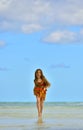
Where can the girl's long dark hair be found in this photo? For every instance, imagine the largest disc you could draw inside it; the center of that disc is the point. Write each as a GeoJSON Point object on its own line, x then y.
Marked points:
{"type": "Point", "coordinates": [42, 77]}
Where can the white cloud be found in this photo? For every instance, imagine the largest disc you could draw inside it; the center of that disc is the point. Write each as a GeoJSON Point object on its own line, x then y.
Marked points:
{"type": "Point", "coordinates": [2, 43]}
{"type": "Point", "coordinates": [61, 37]}
{"type": "Point", "coordinates": [5, 25]}
{"type": "Point", "coordinates": [30, 28]}
{"type": "Point", "coordinates": [18, 13]}
{"type": "Point", "coordinates": [4, 4]}
{"type": "Point", "coordinates": [25, 15]}
{"type": "Point", "coordinates": [30, 16]}
{"type": "Point", "coordinates": [81, 32]}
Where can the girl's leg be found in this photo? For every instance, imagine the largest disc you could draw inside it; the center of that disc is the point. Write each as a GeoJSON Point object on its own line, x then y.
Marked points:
{"type": "Point", "coordinates": [41, 105]}
{"type": "Point", "coordinates": [38, 106]}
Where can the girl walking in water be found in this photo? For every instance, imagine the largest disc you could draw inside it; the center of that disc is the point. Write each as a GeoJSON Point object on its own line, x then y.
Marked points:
{"type": "Point", "coordinates": [41, 85]}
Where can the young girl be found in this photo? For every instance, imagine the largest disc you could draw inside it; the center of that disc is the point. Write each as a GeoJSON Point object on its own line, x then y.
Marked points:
{"type": "Point", "coordinates": [41, 85]}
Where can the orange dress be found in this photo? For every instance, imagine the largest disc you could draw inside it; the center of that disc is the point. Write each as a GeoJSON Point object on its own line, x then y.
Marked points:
{"type": "Point", "coordinates": [39, 89]}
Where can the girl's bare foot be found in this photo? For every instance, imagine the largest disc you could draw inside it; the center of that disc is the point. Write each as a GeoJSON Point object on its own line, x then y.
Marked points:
{"type": "Point", "coordinates": [40, 120]}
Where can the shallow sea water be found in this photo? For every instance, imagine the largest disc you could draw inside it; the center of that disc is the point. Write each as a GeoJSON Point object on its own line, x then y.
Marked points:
{"type": "Point", "coordinates": [56, 116]}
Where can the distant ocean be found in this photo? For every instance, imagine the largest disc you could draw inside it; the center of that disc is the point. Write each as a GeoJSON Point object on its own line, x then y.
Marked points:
{"type": "Point", "coordinates": [56, 116]}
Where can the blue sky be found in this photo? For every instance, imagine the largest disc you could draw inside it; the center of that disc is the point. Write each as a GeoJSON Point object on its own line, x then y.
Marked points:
{"type": "Point", "coordinates": [42, 34]}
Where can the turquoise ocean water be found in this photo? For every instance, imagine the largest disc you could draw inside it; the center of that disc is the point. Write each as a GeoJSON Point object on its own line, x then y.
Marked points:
{"type": "Point", "coordinates": [56, 116]}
